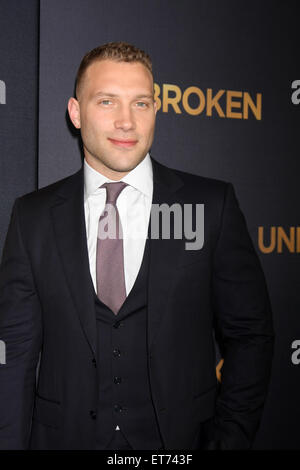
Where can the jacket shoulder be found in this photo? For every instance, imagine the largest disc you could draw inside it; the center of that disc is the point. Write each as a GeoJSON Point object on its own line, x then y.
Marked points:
{"type": "Point", "coordinates": [190, 182]}
{"type": "Point", "coordinates": [48, 194]}
{"type": "Point", "coordinates": [203, 181]}
{"type": "Point", "coordinates": [197, 187]}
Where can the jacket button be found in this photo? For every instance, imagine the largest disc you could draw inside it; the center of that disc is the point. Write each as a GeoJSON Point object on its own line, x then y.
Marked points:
{"type": "Point", "coordinates": [93, 414]}
{"type": "Point", "coordinates": [118, 324]}
{"type": "Point", "coordinates": [117, 352]}
{"type": "Point", "coordinates": [117, 380]}
{"type": "Point", "coordinates": [94, 362]}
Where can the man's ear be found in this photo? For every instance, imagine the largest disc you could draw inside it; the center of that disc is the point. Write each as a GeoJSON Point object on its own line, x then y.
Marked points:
{"type": "Point", "coordinates": [74, 112]}
{"type": "Point", "coordinates": [155, 107]}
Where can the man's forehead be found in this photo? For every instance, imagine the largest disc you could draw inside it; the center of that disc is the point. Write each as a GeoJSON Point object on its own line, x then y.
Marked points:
{"type": "Point", "coordinates": [110, 66]}
{"type": "Point", "coordinates": [111, 76]}
{"type": "Point", "coordinates": [110, 79]}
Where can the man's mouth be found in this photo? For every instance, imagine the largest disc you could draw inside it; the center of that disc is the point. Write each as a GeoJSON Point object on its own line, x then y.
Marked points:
{"type": "Point", "coordinates": [123, 142]}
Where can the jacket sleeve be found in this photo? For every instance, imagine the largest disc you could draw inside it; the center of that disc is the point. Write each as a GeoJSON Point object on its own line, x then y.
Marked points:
{"type": "Point", "coordinates": [21, 333]}
{"type": "Point", "coordinates": [243, 323]}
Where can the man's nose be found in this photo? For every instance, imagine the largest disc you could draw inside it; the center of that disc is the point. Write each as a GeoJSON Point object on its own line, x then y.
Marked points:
{"type": "Point", "coordinates": [125, 119]}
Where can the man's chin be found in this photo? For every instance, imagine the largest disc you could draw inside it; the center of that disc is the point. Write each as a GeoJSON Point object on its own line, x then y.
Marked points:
{"type": "Point", "coordinates": [115, 163]}
{"type": "Point", "coordinates": [125, 166]}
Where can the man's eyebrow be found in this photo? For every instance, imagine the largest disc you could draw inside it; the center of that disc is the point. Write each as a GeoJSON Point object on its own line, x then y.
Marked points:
{"type": "Point", "coordinates": [114, 95]}
{"type": "Point", "coordinates": [102, 93]}
{"type": "Point", "coordinates": [144, 96]}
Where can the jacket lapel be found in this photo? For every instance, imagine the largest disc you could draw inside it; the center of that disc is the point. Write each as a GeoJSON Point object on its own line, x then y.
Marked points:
{"type": "Point", "coordinates": [69, 227]}
{"type": "Point", "coordinates": [164, 253]}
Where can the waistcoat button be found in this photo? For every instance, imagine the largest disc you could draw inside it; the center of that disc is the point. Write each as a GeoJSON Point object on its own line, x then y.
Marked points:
{"type": "Point", "coordinates": [118, 408]}
{"type": "Point", "coordinates": [117, 352]}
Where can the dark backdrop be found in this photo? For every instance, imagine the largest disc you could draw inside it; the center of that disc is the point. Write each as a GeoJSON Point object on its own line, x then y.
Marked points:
{"type": "Point", "coordinates": [19, 42]}
{"type": "Point", "coordinates": [248, 48]}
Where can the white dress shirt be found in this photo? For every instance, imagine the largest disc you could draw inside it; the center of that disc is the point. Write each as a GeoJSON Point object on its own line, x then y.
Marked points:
{"type": "Point", "coordinates": [134, 206]}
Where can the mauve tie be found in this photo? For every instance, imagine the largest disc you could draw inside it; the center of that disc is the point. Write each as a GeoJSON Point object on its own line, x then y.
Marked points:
{"type": "Point", "coordinates": [109, 260]}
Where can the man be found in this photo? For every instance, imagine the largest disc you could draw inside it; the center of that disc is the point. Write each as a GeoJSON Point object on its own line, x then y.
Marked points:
{"type": "Point", "coordinates": [125, 325]}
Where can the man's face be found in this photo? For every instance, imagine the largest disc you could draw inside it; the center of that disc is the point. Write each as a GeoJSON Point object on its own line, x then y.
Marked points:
{"type": "Point", "coordinates": [116, 112]}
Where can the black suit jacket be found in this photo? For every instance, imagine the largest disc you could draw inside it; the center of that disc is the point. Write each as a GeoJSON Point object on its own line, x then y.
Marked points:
{"type": "Point", "coordinates": [47, 307]}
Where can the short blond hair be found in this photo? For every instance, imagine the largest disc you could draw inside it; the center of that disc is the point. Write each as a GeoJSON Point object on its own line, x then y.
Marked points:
{"type": "Point", "coordinates": [118, 51]}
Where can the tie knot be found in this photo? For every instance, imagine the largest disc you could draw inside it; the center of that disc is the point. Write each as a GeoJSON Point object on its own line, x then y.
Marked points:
{"type": "Point", "coordinates": [113, 190]}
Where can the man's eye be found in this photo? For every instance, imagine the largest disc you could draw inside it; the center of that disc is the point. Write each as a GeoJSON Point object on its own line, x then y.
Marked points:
{"type": "Point", "coordinates": [141, 104]}
{"type": "Point", "coordinates": [105, 102]}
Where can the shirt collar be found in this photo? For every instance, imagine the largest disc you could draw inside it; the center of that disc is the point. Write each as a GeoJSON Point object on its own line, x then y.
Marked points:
{"type": "Point", "coordinates": [141, 178]}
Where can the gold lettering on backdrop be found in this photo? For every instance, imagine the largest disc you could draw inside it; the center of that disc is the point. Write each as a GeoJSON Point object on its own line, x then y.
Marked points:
{"type": "Point", "coordinates": [172, 100]}
{"type": "Point", "coordinates": [248, 102]}
{"type": "Point", "coordinates": [289, 241]}
{"type": "Point", "coordinates": [218, 370]}
{"type": "Point", "coordinates": [233, 104]}
{"type": "Point", "coordinates": [185, 100]}
{"type": "Point", "coordinates": [280, 238]}
{"type": "Point", "coordinates": [261, 244]}
{"type": "Point", "coordinates": [213, 102]}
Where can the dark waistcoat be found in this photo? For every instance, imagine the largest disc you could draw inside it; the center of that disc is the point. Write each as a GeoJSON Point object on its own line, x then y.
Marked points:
{"type": "Point", "coordinates": [124, 388]}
